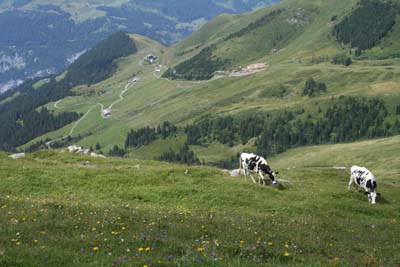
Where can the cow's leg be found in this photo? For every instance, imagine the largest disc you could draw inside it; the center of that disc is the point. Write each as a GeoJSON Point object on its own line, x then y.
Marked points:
{"type": "Point", "coordinates": [261, 178]}
{"type": "Point", "coordinates": [350, 182]}
{"type": "Point", "coordinates": [254, 181]}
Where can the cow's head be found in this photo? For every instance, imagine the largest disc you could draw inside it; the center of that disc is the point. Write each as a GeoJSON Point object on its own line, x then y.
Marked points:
{"type": "Point", "coordinates": [371, 191]}
{"type": "Point", "coordinates": [372, 196]}
{"type": "Point", "coordinates": [272, 175]}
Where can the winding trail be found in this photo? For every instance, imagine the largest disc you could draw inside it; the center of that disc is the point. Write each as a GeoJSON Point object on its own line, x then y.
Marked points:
{"type": "Point", "coordinates": [121, 98]}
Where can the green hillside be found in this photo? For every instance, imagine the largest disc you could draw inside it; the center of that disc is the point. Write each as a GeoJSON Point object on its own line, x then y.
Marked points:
{"type": "Point", "coordinates": [60, 209]}
{"type": "Point", "coordinates": [296, 39]}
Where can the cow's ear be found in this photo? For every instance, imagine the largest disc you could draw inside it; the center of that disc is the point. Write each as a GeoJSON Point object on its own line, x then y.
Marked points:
{"type": "Point", "coordinates": [277, 172]}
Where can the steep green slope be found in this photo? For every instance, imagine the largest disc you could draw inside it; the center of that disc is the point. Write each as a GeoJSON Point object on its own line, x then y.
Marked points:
{"type": "Point", "coordinates": [290, 29]}
{"type": "Point", "coordinates": [68, 210]}
{"type": "Point", "coordinates": [22, 117]}
{"type": "Point", "coordinates": [306, 53]}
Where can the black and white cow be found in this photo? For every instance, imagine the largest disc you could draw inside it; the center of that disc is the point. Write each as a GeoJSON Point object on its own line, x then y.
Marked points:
{"type": "Point", "coordinates": [363, 178]}
{"type": "Point", "coordinates": [253, 163]}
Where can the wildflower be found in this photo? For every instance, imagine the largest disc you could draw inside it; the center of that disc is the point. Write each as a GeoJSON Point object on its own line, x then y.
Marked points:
{"type": "Point", "coordinates": [4, 206]}
{"type": "Point", "coordinates": [145, 265]}
{"type": "Point", "coordinates": [43, 247]}
{"type": "Point", "coordinates": [18, 243]}
{"type": "Point", "coordinates": [241, 243]}
{"type": "Point", "coordinates": [269, 243]}
{"type": "Point", "coordinates": [95, 248]}
{"type": "Point", "coordinates": [286, 246]}
{"type": "Point", "coordinates": [35, 241]}
{"type": "Point", "coordinates": [169, 257]}
{"type": "Point", "coordinates": [123, 228]}
{"type": "Point", "coordinates": [200, 250]}
{"type": "Point", "coordinates": [141, 249]}
{"type": "Point", "coordinates": [286, 254]}
{"type": "Point", "coordinates": [94, 229]}
{"type": "Point", "coordinates": [147, 249]}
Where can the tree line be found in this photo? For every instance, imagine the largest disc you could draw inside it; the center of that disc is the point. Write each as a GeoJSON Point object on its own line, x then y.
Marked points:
{"type": "Point", "coordinates": [347, 119]}
{"type": "Point", "coordinates": [146, 135]}
{"type": "Point", "coordinates": [369, 22]}
{"type": "Point", "coordinates": [200, 67]}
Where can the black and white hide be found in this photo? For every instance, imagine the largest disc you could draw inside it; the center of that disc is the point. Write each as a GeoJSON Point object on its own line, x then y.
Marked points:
{"type": "Point", "coordinates": [364, 179]}
{"type": "Point", "coordinates": [252, 163]}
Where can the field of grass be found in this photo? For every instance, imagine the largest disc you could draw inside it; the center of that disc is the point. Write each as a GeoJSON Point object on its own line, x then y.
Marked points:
{"type": "Point", "coordinates": [59, 209]}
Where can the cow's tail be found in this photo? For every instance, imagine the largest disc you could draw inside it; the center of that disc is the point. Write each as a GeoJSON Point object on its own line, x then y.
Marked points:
{"type": "Point", "coordinates": [240, 164]}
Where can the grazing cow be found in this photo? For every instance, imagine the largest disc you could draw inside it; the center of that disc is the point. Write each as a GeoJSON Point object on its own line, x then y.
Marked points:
{"type": "Point", "coordinates": [253, 163]}
{"type": "Point", "coordinates": [363, 178]}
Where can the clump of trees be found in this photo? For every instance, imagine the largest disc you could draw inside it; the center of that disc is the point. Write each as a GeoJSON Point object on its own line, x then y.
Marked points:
{"type": "Point", "coordinates": [184, 156]}
{"type": "Point", "coordinates": [116, 151]}
{"type": "Point", "coordinates": [147, 135]}
{"type": "Point", "coordinates": [200, 67]}
{"type": "Point", "coordinates": [369, 22]}
{"type": "Point", "coordinates": [312, 88]}
{"type": "Point", "coordinates": [342, 59]}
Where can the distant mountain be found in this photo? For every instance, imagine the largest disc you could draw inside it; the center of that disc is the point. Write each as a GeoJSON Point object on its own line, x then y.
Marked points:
{"type": "Point", "coordinates": [43, 37]}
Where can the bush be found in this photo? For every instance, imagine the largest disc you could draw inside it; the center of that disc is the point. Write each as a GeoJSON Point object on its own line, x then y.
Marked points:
{"type": "Point", "coordinates": [312, 88]}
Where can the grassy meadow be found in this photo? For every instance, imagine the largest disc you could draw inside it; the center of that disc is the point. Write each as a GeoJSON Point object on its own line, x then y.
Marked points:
{"type": "Point", "coordinates": [59, 209]}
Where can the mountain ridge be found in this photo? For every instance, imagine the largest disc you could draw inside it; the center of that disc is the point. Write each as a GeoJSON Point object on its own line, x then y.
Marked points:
{"type": "Point", "coordinates": [43, 37]}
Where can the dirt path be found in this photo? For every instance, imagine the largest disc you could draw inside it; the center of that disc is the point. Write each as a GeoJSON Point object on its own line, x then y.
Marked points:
{"type": "Point", "coordinates": [76, 124]}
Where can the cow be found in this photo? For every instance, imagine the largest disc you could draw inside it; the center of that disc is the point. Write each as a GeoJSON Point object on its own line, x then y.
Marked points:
{"type": "Point", "coordinates": [363, 178]}
{"type": "Point", "coordinates": [252, 163]}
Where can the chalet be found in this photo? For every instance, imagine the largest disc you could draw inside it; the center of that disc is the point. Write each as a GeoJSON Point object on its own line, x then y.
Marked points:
{"type": "Point", "coordinates": [150, 58]}
{"type": "Point", "coordinates": [107, 112]}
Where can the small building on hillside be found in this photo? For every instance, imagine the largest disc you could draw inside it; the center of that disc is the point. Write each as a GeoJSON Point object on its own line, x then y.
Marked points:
{"type": "Point", "coordinates": [255, 67]}
{"type": "Point", "coordinates": [150, 58]}
{"type": "Point", "coordinates": [107, 112]}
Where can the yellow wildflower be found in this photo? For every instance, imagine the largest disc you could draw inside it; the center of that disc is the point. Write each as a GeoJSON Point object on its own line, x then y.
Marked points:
{"type": "Point", "coordinates": [286, 246]}
{"type": "Point", "coordinates": [269, 243]}
{"type": "Point", "coordinates": [147, 249]}
{"type": "Point", "coordinates": [95, 248]}
{"type": "Point", "coordinates": [94, 229]}
{"type": "Point", "coordinates": [141, 249]}
{"type": "Point", "coordinates": [123, 228]}
{"type": "Point", "coordinates": [18, 243]}
{"type": "Point", "coordinates": [200, 250]}
{"type": "Point", "coordinates": [241, 242]}
{"type": "Point", "coordinates": [286, 254]}
{"type": "Point", "coordinates": [35, 241]}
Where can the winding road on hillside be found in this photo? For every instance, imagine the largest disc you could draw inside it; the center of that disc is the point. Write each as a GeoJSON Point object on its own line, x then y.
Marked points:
{"type": "Point", "coordinates": [128, 85]}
